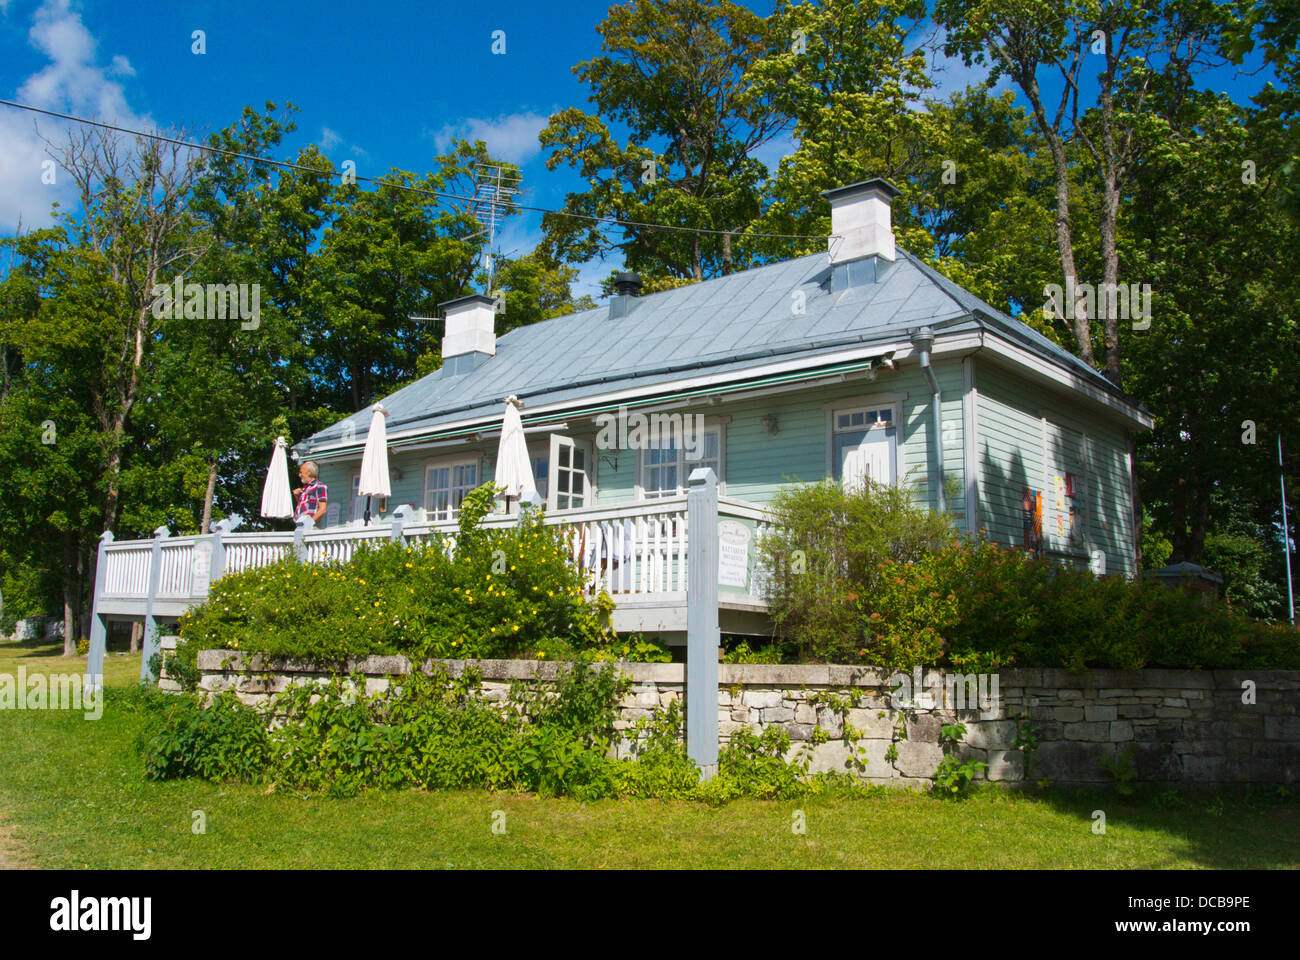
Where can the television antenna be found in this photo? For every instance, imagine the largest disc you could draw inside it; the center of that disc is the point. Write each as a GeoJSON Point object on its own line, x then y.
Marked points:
{"type": "Point", "coordinates": [495, 187]}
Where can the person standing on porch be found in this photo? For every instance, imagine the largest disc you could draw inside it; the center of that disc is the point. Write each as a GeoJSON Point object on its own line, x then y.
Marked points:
{"type": "Point", "coordinates": [312, 495]}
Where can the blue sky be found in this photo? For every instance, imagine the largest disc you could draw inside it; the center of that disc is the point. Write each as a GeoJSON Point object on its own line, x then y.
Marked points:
{"type": "Point", "coordinates": [384, 85]}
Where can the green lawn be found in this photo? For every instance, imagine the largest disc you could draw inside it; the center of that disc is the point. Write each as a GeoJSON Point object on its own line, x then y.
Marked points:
{"type": "Point", "coordinates": [72, 794]}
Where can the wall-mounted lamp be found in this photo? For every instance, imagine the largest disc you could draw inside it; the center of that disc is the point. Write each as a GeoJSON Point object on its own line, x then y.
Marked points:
{"type": "Point", "coordinates": [770, 423]}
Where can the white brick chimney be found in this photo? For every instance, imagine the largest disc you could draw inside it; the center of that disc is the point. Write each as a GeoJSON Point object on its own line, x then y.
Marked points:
{"type": "Point", "coordinates": [471, 330]}
{"type": "Point", "coordinates": [860, 221]}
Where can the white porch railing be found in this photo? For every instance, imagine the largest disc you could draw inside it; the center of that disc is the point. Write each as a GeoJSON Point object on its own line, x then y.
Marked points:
{"type": "Point", "coordinates": [625, 549]}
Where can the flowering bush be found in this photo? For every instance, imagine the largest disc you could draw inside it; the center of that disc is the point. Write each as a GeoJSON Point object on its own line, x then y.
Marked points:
{"type": "Point", "coordinates": [508, 592]}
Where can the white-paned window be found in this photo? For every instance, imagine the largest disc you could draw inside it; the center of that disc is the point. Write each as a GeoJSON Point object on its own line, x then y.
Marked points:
{"type": "Point", "coordinates": [666, 468]}
{"type": "Point", "coordinates": [570, 473]}
{"type": "Point", "coordinates": [445, 484]}
{"type": "Point", "coordinates": [864, 444]}
{"type": "Point", "coordinates": [377, 504]}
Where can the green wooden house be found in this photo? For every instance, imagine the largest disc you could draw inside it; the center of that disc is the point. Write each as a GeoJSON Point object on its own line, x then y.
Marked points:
{"type": "Point", "coordinates": [861, 361]}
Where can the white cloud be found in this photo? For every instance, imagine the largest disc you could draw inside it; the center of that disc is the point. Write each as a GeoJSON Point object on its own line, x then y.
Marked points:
{"type": "Point", "coordinates": [72, 82]}
{"type": "Point", "coordinates": [329, 139]}
{"type": "Point", "coordinates": [510, 137]}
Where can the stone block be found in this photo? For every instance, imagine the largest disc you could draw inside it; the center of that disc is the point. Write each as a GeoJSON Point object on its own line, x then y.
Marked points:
{"type": "Point", "coordinates": [991, 734]}
{"type": "Point", "coordinates": [871, 725]}
{"type": "Point", "coordinates": [1132, 711]}
{"type": "Point", "coordinates": [1121, 731]}
{"type": "Point", "coordinates": [826, 757]}
{"type": "Point", "coordinates": [1072, 761]}
{"type": "Point", "coordinates": [216, 682]}
{"type": "Point", "coordinates": [740, 714]}
{"type": "Point", "coordinates": [761, 698]}
{"type": "Point", "coordinates": [1282, 728]}
{"type": "Point", "coordinates": [918, 759]}
{"type": "Point", "coordinates": [924, 729]}
{"type": "Point", "coordinates": [872, 752]}
{"type": "Point", "coordinates": [1005, 765]}
{"type": "Point", "coordinates": [1175, 702]}
{"type": "Point", "coordinates": [1173, 712]}
{"type": "Point", "coordinates": [777, 715]}
{"type": "Point", "coordinates": [799, 731]}
{"type": "Point", "coordinates": [1204, 769]}
{"type": "Point", "coordinates": [805, 714]}
{"type": "Point", "coordinates": [1098, 731]}
{"type": "Point", "coordinates": [1093, 714]}
{"type": "Point", "coordinates": [1156, 761]}
{"type": "Point", "coordinates": [380, 685]}
{"type": "Point", "coordinates": [1068, 714]}
{"type": "Point", "coordinates": [830, 721]}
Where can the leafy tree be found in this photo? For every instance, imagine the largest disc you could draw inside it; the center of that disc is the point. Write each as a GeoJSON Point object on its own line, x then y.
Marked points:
{"type": "Point", "coordinates": [673, 74]}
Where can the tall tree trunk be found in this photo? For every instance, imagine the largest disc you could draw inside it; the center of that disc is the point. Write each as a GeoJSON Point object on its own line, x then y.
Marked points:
{"type": "Point", "coordinates": [726, 253]}
{"type": "Point", "coordinates": [206, 526]}
{"type": "Point", "coordinates": [71, 594]}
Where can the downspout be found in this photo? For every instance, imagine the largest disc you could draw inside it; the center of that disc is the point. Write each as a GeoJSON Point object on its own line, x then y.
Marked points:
{"type": "Point", "coordinates": [923, 340]}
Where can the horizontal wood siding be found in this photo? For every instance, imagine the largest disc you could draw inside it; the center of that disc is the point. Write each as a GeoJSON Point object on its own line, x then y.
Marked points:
{"type": "Point", "coordinates": [757, 463]}
{"type": "Point", "coordinates": [1009, 449]}
{"type": "Point", "coordinates": [1017, 423]}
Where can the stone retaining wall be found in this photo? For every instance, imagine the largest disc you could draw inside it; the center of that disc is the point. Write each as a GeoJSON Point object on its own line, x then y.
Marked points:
{"type": "Point", "coordinates": [1185, 726]}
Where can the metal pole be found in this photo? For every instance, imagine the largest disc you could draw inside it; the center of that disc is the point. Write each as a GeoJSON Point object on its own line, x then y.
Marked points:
{"type": "Point", "coordinates": [150, 644]}
{"type": "Point", "coordinates": [1286, 533]}
{"type": "Point", "coordinates": [702, 635]}
{"type": "Point", "coordinates": [98, 622]}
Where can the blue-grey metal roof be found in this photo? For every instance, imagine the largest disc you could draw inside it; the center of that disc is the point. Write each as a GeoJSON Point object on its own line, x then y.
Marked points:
{"type": "Point", "coordinates": [728, 323]}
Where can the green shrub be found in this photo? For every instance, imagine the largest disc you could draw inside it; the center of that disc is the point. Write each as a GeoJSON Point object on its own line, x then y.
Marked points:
{"type": "Point", "coordinates": [827, 556]}
{"type": "Point", "coordinates": [499, 593]}
{"type": "Point", "coordinates": [224, 741]}
{"type": "Point", "coordinates": [436, 732]}
{"type": "Point", "coordinates": [886, 583]}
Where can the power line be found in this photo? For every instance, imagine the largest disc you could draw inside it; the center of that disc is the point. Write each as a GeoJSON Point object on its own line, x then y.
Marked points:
{"type": "Point", "coordinates": [287, 165]}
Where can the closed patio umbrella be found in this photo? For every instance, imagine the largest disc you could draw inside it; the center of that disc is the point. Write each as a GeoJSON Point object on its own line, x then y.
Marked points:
{"type": "Point", "coordinates": [514, 469]}
{"type": "Point", "coordinates": [374, 461]}
{"type": "Point", "coordinates": [276, 502]}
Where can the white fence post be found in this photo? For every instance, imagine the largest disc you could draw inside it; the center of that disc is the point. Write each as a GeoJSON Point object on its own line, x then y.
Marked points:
{"type": "Point", "coordinates": [98, 624]}
{"type": "Point", "coordinates": [702, 633]}
{"type": "Point", "coordinates": [150, 644]}
{"type": "Point", "coordinates": [399, 520]}
{"type": "Point", "coordinates": [300, 527]}
{"type": "Point", "coordinates": [217, 563]}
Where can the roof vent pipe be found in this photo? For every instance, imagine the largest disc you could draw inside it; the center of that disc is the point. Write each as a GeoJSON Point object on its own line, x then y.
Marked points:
{"type": "Point", "coordinates": [627, 290]}
{"type": "Point", "coordinates": [627, 284]}
{"type": "Point", "coordinates": [923, 340]}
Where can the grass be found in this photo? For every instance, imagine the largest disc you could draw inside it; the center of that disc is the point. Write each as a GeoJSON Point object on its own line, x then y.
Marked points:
{"type": "Point", "coordinates": [72, 795]}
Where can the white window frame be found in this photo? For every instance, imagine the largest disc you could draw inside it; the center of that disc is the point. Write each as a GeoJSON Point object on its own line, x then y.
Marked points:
{"type": "Point", "coordinates": [588, 447]}
{"type": "Point", "coordinates": [436, 463]}
{"type": "Point", "coordinates": [1052, 544]}
{"type": "Point", "coordinates": [357, 505]}
{"type": "Point", "coordinates": [891, 402]}
{"type": "Point", "coordinates": [541, 450]}
{"type": "Point", "coordinates": [686, 465]}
